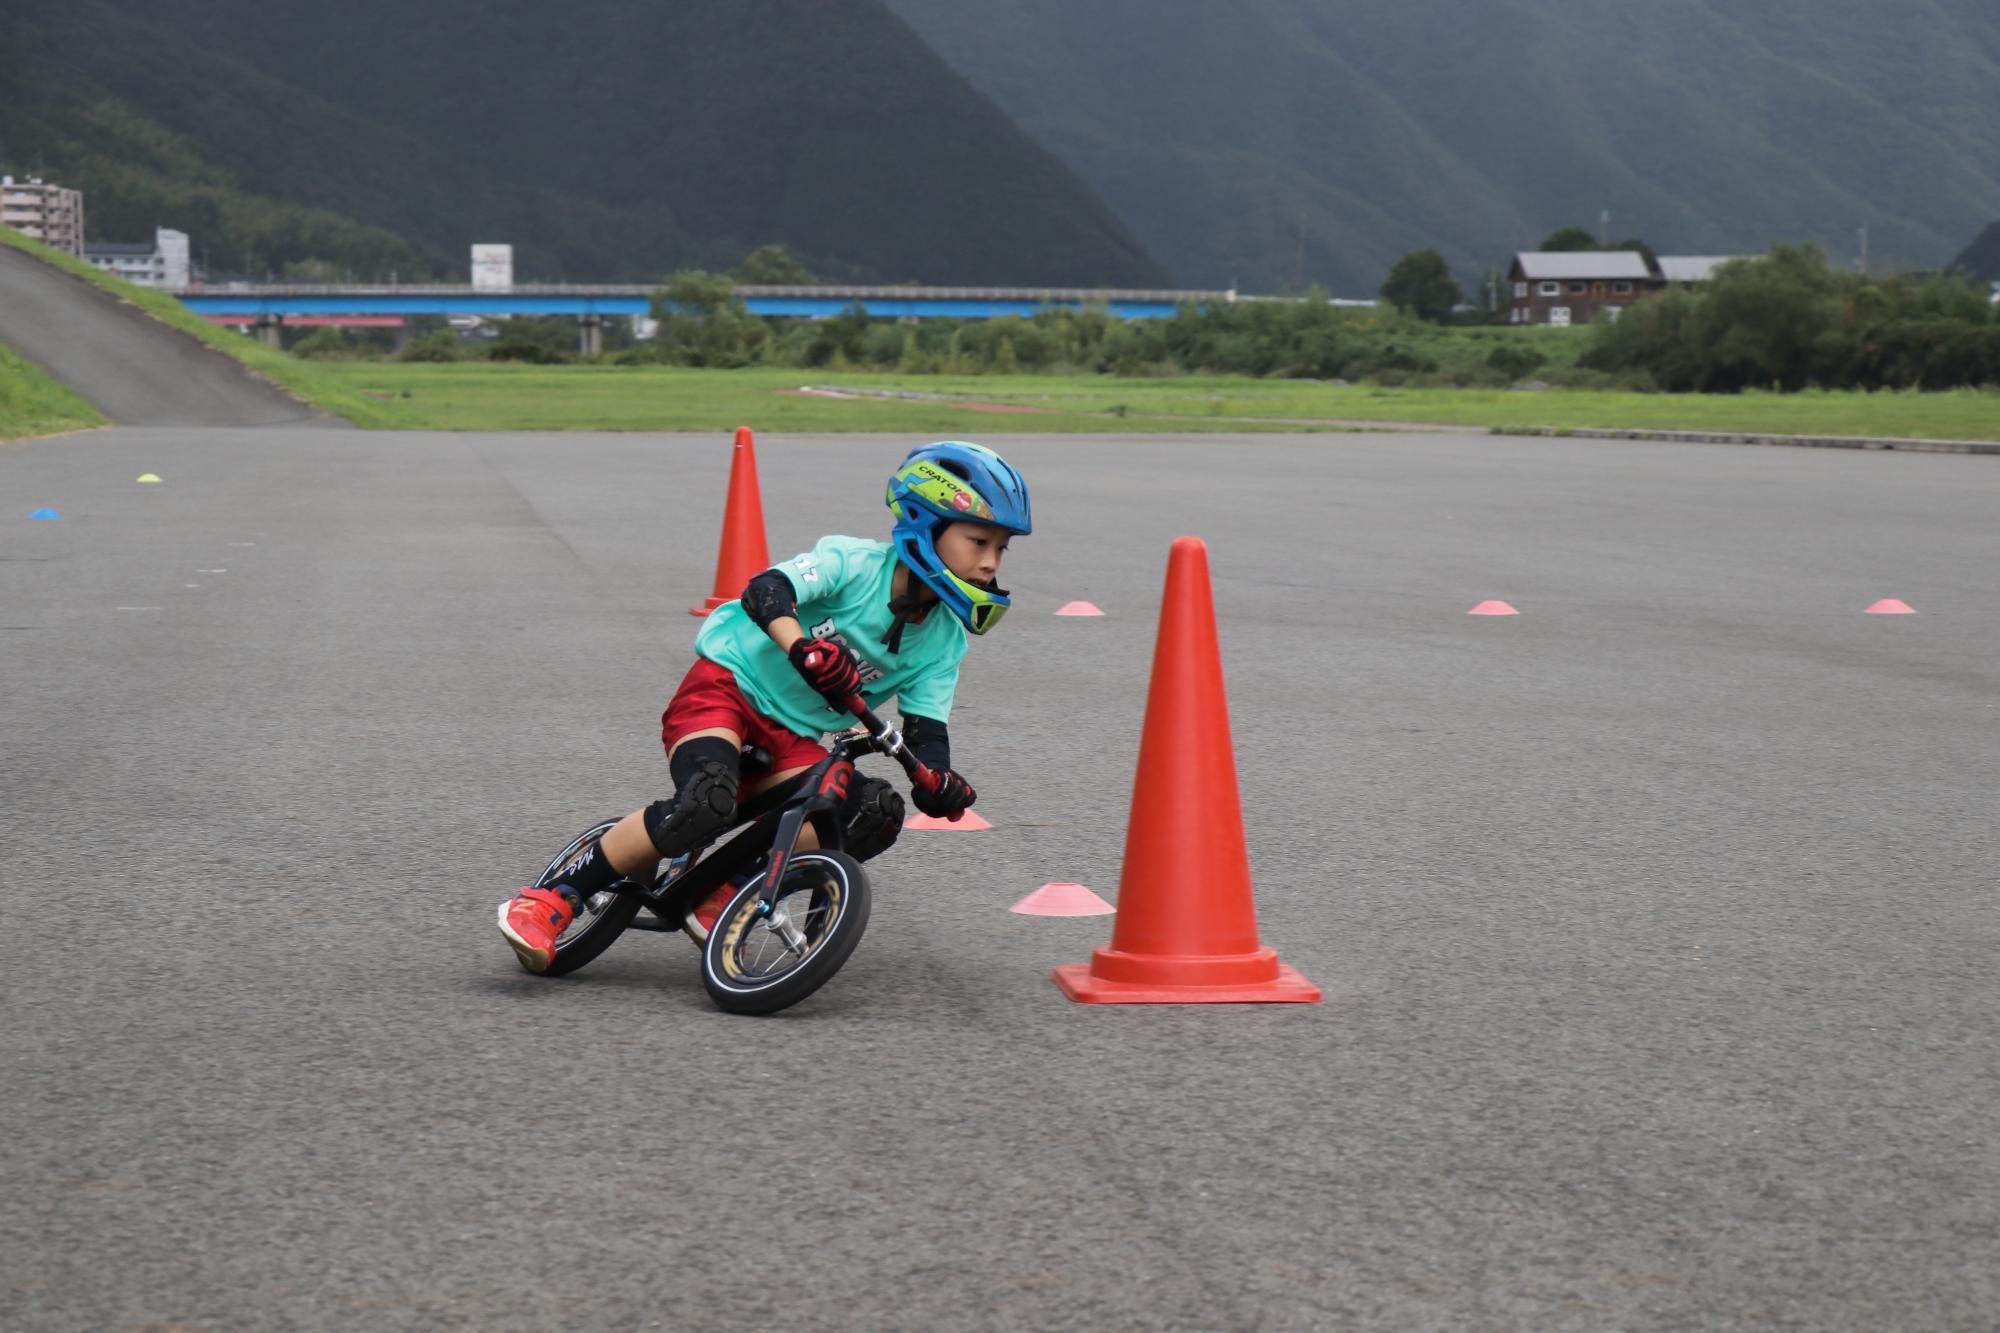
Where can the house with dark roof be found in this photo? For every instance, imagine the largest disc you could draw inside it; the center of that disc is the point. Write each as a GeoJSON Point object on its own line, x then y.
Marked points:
{"type": "Point", "coordinates": [1563, 287]}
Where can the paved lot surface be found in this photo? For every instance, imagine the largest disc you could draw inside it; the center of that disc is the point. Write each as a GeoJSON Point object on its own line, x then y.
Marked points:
{"type": "Point", "coordinates": [132, 368]}
{"type": "Point", "coordinates": [1657, 925]}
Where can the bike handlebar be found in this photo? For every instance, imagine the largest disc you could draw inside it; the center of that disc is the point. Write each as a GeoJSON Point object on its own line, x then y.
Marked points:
{"type": "Point", "coordinates": [889, 741]}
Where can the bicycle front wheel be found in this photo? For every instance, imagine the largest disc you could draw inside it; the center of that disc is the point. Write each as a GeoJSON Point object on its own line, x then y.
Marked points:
{"type": "Point", "coordinates": [760, 959]}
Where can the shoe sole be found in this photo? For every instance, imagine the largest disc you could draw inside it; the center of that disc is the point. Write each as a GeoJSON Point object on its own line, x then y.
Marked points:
{"type": "Point", "coordinates": [535, 960]}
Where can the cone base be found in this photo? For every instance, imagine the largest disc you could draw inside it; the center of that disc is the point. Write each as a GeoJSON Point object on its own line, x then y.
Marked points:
{"type": "Point", "coordinates": [709, 606]}
{"type": "Point", "coordinates": [1288, 987]}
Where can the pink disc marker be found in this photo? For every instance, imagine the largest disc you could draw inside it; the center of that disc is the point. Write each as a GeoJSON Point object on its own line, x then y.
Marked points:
{"type": "Point", "coordinates": [1078, 609]}
{"type": "Point", "coordinates": [1890, 606]}
{"type": "Point", "coordinates": [1063, 900]}
{"type": "Point", "coordinates": [1491, 608]}
{"type": "Point", "coordinates": [965, 823]}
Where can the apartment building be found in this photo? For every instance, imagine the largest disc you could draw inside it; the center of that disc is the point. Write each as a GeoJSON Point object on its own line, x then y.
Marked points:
{"type": "Point", "coordinates": [49, 213]}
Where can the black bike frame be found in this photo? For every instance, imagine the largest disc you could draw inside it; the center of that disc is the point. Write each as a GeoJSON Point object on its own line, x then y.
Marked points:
{"type": "Point", "coordinates": [771, 820]}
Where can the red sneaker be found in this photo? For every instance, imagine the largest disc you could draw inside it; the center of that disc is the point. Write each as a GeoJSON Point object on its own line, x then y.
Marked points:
{"type": "Point", "coordinates": [702, 919]}
{"type": "Point", "coordinates": [531, 920]}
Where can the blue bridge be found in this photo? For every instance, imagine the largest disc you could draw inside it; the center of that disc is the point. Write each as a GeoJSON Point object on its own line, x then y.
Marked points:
{"type": "Point", "coordinates": [269, 306]}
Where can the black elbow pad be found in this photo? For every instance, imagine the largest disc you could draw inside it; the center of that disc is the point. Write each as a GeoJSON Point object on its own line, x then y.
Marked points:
{"type": "Point", "coordinates": [929, 740]}
{"type": "Point", "coordinates": [769, 597]}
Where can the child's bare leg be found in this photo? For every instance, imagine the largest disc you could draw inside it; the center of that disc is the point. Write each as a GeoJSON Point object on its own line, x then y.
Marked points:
{"type": "Point", "coordinates": [628, 848]}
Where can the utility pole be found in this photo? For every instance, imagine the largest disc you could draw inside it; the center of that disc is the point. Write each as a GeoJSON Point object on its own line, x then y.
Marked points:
{"type": "Point", "coordinates": [1604, 227]}
{"type": "Point", "coordinates": [1862, 232]}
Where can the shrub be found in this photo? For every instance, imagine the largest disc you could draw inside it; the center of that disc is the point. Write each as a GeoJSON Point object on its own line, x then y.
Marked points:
{"type": "Point", "coordinates": [321, 342]}
{"type": "Point", "coordinates": [1579, 377]}
{"type": "Point", "coordinates": [1515, 361]}
{"type": "Point", "coordinates": [525, 350]}
{"type": "Point", "coordinates": [441, 345]}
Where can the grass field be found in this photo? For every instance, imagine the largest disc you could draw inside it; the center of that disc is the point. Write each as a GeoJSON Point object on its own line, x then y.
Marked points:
{"type": "Point", "coordinates": [488, 396]}
{"type": "Point", "coordinates": [33, 404]}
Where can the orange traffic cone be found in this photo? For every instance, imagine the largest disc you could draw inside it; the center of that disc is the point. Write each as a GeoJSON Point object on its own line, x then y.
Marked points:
{"type": "Point", "coordinates": [744, 553]}
{"type": "Point", "coordinates": [1186, 930]}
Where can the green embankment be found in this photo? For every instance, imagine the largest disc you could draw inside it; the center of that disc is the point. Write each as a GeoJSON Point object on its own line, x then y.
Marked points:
{"type": "Point", "coordinates": [489, 396]}
{"type": "Point", "coordinates": [302, 379]}
{"type": "Point", "coordinates": [33, 404]}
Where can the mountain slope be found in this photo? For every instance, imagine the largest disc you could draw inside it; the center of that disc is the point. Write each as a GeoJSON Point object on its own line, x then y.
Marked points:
{"type": "Point", "coordinates": [1981, 259]}
{"type": "Point", "coordinates": [611, 138]}
{"type": "Point", "coordinates": [1286, 141]}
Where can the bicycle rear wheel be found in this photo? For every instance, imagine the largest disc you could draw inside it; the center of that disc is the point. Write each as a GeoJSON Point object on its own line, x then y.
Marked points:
{"type": "Point", "coordinates": [602, 920]}
{"type": "Point", "coordinates": [759, 960]}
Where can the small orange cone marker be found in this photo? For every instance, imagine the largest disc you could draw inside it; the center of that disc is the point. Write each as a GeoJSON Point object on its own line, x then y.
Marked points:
{"type": "Point", "coordinates": [744, 553]}
{"type": "Point", "coordinates": [965, 823]}
{"type": "Point", "coordinates": [1493, 609]}
{"type": "Point", "coordinates": [1078, 609]}
{"type": "Point", "coordinates": [1186, 929]}
{"type": "Point", "coordinates": [1890, 606]}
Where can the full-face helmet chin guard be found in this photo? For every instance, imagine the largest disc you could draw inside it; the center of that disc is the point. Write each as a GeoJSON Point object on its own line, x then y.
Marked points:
{"type": "Point", "coordinates": [955, 482]}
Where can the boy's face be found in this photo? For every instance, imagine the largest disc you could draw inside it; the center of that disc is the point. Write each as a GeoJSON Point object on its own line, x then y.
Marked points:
{"type": "Point", "coordinates": [973, 551]}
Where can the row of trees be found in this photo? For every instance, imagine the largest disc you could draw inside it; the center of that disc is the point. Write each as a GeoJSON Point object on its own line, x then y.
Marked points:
{"type": "Point", "coordinates": [1791, 320]}
{"type": "Point", "coordinates": [702, 322]}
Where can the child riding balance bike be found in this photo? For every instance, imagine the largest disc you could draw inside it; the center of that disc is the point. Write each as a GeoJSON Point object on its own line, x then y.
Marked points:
{"type": "Point", "coordinates": [850, 620]}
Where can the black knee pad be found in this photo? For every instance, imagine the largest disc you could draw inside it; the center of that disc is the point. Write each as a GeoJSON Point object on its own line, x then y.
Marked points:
{"type": "Point", "coordinates": [704, 802]}
{"type": "Point", "coordinates": [870, 818]}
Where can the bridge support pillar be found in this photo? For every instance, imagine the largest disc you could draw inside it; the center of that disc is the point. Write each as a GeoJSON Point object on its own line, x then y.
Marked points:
{"type": "Point", "coordinates": [590, 329]}
{"type": "Point", "coordinates": [270, 329]}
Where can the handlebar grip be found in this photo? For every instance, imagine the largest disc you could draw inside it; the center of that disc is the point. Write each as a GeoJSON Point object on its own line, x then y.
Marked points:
{"type": "Point", "coordinates": [919, 774]}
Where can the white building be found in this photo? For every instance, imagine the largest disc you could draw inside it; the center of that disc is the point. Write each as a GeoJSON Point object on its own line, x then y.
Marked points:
{"type": "Point", "coordinates": [1688, 269]}
{"type": "Point", "coordinates": [492, 268]}
{"type": "Point", "coordinates": [49, 213]}
{"type": "Point", "coordinates": [164, 263]}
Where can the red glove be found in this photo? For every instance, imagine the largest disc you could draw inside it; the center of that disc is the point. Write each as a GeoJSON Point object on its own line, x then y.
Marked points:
{"type": "Point", "coordinates": [829, 668]}
{"type": "Point", "coordinates": [952, 795]}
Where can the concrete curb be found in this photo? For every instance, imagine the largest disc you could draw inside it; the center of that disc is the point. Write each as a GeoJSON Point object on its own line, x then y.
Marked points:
{"type": "Point", "coordinates": [1791, 441]}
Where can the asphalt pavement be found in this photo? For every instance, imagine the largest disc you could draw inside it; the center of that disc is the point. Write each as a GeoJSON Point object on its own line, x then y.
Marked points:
{"type": "Point", "coordinates": [1656, 924]}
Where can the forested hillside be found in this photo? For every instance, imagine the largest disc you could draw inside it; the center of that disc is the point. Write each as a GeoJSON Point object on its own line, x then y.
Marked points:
{"type": "Point", "coordinates": [1981, 259]}
{"type": "Point", "coordinates": [606, 139]}
{"type": "Point", "coordinates": [1281, 142]}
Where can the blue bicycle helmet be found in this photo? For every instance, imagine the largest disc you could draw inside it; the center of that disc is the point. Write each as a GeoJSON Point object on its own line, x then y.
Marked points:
{"type": "Point", "coordinates": [955, 482]}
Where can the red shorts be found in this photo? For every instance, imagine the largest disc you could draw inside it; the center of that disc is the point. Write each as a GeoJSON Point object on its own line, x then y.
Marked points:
{"type": "Point", "coordinates": [710, 697]}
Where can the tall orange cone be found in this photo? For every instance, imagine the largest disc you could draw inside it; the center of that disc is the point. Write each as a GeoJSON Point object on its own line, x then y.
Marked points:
{"type": "Point", "coordinates": [1186, 929]}
{"type": "Point", "coordinates": [744, 553]}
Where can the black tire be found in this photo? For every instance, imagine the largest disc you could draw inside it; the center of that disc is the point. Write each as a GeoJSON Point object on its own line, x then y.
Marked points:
{"type": "Point", "coordinates": [747, 967]}
{"type": "Point", "coordinates": [603, 919]}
